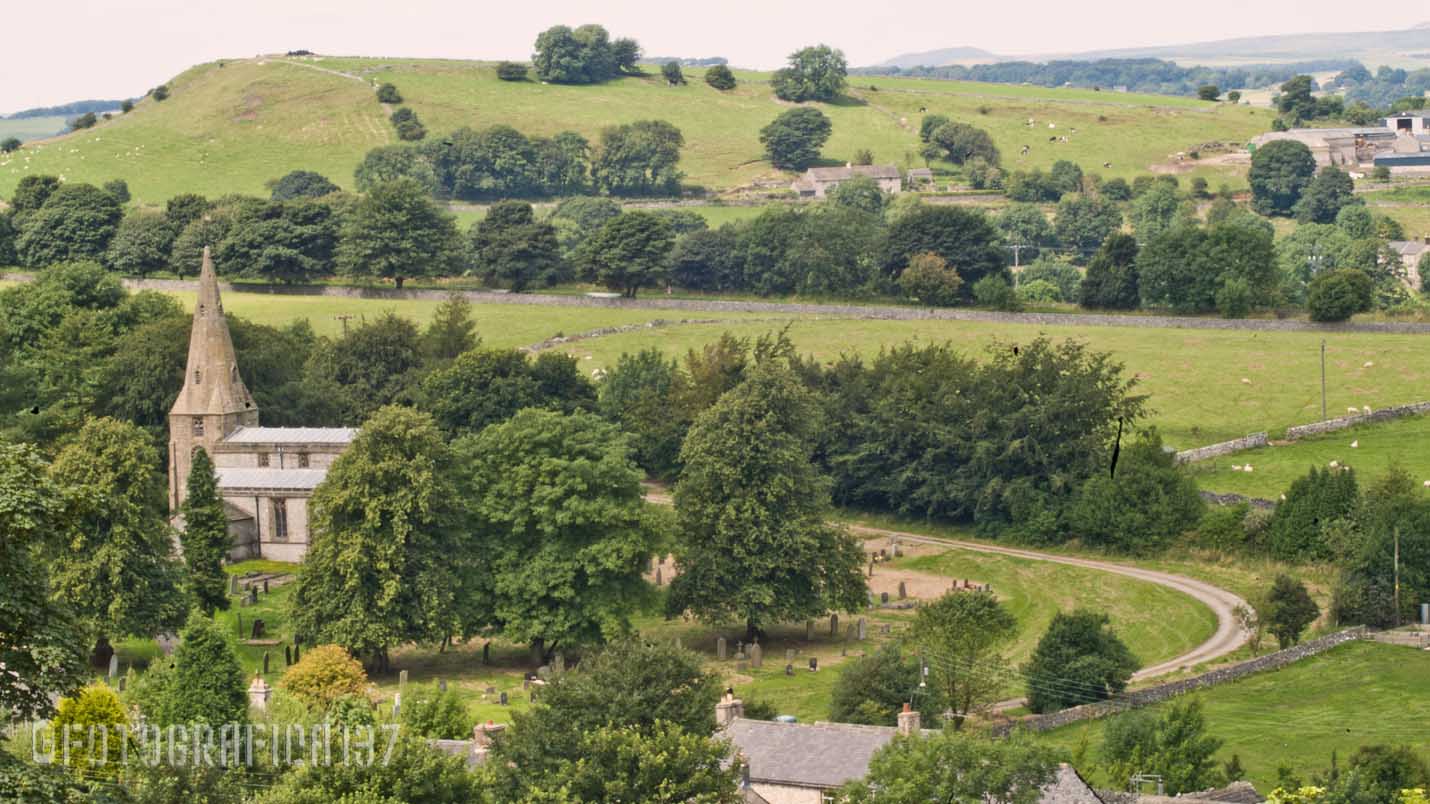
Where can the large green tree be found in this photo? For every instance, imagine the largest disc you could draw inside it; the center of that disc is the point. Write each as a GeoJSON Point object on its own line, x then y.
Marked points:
{"type": "Point", "coordinates": [115, 566]}
{"type": "Point", "coordinates": [413, 771]}
{"type": "Point", "coordinates": [302, 184]}
{"type": "Point", "coordinates": [397, 232]}
{"type": "Point", "coordinates": [1111, 278]}
{"type": "Point", "coordinates": [1291, 609]}
{"type": "Point", "coordinates": [753, 545]}
{"type": "Point", "coordinates": [1078, 660]}
{"type": "Point", "coordinates": [205, 535]}
{"type": "Point", "coordinates": [1280, 172]}
{"type": "Point", "coordinates": [1175, 746]}
{"type": "Point", "coordinates": [961, 636]}
{"type": "Point", "coordinates": [284, 241]}
{"type": "Point", "coordinates": [565, 538]}
{"type": "Point", "coordinates": [964, 238]}
{"type": "Point", "coordinates": [39, 636]}
{"type": "Point", "coordinates": [386, 559]}
{"type": "Point", "coordinates": [511, 247]}
{"type": "Point", "coordinates": [76, 222]}
{"type": "Point", "coordinates": [792, 141]}
{"type": "Point", "coordinates": [485, 386]}
{"type": "Point", "coordinates": [873, 688]}
{"type": "Point", "coordinates": [961, 142]}
{"type": "Point", "coordinates": [141, 244]}
{"type": "Point", "coordinates": [203, 684]}
{"type": "Point", "coordinates": [1083, 222]}
{"type": "Point", "coordinates": [630, 252]}
{"type": "Point", "coordinates": [950, 766]}
{"type": "Point", "coordinates": [638, 159]}
{"type": "Point", "coordinates": [815, 73]}
{"type": "Point", "coordinates": [1323, 199]}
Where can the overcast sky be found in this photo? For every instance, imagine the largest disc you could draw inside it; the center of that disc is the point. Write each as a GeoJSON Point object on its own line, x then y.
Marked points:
{"type": "Point", "coordinates": [56, 51]}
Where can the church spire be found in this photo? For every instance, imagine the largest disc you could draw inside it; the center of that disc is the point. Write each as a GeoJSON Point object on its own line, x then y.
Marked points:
{"type": "Point", "coordinates": [211, 382]}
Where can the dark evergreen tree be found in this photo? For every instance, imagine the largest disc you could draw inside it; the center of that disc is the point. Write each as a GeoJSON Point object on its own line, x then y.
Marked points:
{"type": "Point", "coordinates": [1080, 659]}
{"type": "Point", "coordinates": [205, 536]}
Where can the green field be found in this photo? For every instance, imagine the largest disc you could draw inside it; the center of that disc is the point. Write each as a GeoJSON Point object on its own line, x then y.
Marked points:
{"type": "Point", "coordinates": [31, 128]}
{"type": "Point", "coordinates": [1354, 695]}
{"type": "Point", "coordinates": [1378, 446]}
{"type": "Point", "coordinates": [229, 127]}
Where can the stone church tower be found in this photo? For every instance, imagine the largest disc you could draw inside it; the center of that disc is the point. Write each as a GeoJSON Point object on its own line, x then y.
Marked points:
{"type": "Point", "coordinates": [214, 402]}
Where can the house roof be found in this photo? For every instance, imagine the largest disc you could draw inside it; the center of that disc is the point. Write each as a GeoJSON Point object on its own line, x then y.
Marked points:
{"type": "Point", "coordinates": [1410, 113]}
{"type": "Point", "coordinates": [827, 174]}
{"type": "Point", "coordinates": [231, 478]}
{"type": "Point", "coordinates": [292, 435]}
{"type": "Point", "coordinates": [921, 173]}
{"type": "Point", "coordinates": [1234, 793]}
{"type": "Point", "coordinates": [1408, 248]}
{"type": "Point", "coordinates": [828, 755]}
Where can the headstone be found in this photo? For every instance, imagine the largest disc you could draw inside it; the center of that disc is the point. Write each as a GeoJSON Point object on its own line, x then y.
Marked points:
{"type": "Point", "coordinates": [253, 596]}
{"type": "Point", "coordinates": [442, 685]}
{"type": "Point", "coordinates": [903, 590]}
{"type": "Point", "coordinates": [297, 654]}
{"type": "Point", "coordinates": [402, 681]}
{"type": "Point", "coordinates": [543, 672]}
{"type": "Point", "coordinates": [240, 621]}
{"type": "Point", "coordinates": [862, 628]}
{"type": "Point", "coordinates": [526, 683]}
{"type": "Point", "coordinates": [396, 705]}
{"type": "Point", "coordinates": [287, 656]}
{"type": "Point", "coordinates": [560, 663]}
{"type": "Point", "coordinates": [789, 669]}
{"type": "Point", "coordinates": [884, 597]}
{"type": "Point", "coordinates": [258, 629]}
{"type": "Point", "coordinates": [258, 693]}
{"type": "Point", "coordinates": [265, 586]}
{"type": "Point", "coordinates": [814, 664]}
{"type": "Point", "coordinates": [886, 628]}
{"type": "Point", "coordinates": [233, 584]}
{"type": "Point", "coordinates": [741, 667]}
{"type": "Point", "coordinates": [265, 663]}
{"type": "Point", "coordinates": [533, 696]}
{"type": "Point", "coordinates": [720, 648]}
{"type": "Point", "coordinates": [122, 679]}
{"type": "Point", "coordinates": [487, 653]}
{"type": "Point", "coordinates": [883, 554]}
{"type": "Point", "coordinates": [834, 625]}
{"type": "Point", "coordinates": [809, 630]}
{"type": "Point", "coordinates": [757, 655]}
{"type": "Point", "coordinates": [503, 699]}
{"type": "Point", "coordinates": [113, 665]}
{"type": "Point", "coordinates": [871, 566]}
{"type": "Point", "coordinates": [657, 576]}
{"type": "Point", "coordinates": [739, 649]}
{"type": "Point", "coordinates": [789, 654]}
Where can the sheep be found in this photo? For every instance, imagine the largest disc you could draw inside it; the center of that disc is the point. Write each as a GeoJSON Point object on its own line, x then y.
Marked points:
{"type": "Point", "coordinates": [1352, 410]}
{"type": "Point", "coordinates": [1246, 468]}
{"type": "Point", "coordinates": [1246, 381]}
{"type": "Point", "coordinates": [1107, 164]}
{"type": "Point", "coordinates": [1427, 484]}
{"type": "Point", "coordinates": [1236, 467]}
{"type": "Point", "coordinates": [1368, 364]}
{"type": "Point", "coordinates": [1335, 464]}
{"type": "Point", "coordinates": [1365, 409]}
{"type": "Point", "coordinates": [1355, 444]}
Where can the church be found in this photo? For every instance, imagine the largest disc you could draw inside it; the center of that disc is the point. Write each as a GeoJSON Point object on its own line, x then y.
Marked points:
{"type": "Point", "coordinates": [266, 475]}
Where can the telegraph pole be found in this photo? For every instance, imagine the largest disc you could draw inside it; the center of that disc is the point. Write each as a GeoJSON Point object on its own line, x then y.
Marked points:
{"type": "Point", "coordinates": [1396, 597]}
{"type": "Point", "coordinates": [1323, 379]}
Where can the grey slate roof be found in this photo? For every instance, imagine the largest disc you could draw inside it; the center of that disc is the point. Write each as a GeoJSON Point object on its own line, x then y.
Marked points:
{"type": "Point", "coordinates": [1408, 247]}
{"type": "Point", "coordinates": [230, 478]}
{"type": "Point", "coordinates": [1068, 788]}
{"type": "Point", "coordinates": [807, 754]}
{"type": "Point", "coordinates": [823, 174]}
{"type": "Point", "coordinates": [291, 435]}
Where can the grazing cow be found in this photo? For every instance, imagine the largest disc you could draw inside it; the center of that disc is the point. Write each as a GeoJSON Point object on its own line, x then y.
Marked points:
{"type": "Point", "coordinates": [1107, 164]}
{"type": "Point", "coordinates": [1024, 152]}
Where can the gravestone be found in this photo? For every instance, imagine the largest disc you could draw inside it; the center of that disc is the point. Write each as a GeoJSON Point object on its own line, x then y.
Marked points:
{"type": "Point", "coordinates": [861, 632]}
{"type": "Point", "coordinates": [720, 648]}
{"type": "Point", "coordinates": [258, 627]}
{"type": "Point", "coordinates": [287, 656]}
{"type": "Point", "coordinates": [265, 586]}
{"type": "Point", "coordinates": [396, 706]}
{"type": "Point", "coordinates": [503, 699]}
{"type": "Point", "coordinates": [809, 630]}
{"type": "Point", "coordinates": [741, 667]}
{"type": "Point", "coordinates": [884, 597]}
{"type": "Point", "coordinates": [113, 665]}
{"type": "Point", "coordinates": [533, 696]}
{"type": "Point", "coordinates": [233, 584]}
{"type": "Point", "coordinates": [739, 649]}
{"type": "Point", "coordinates": [789, 654]}
{"type": "Point", "coordinates": [441, 685]}
{"type": "Point", "coordinates": [757, 655]}
{"type": "Point", "coordinates": [814, 664]}
{"type": "Point", "coordinates": [265, 663]}
{"type": "Point", "coordinates": [487, 653]}
{"type": "Point", "coordinates": [789, 669]}
{"type": "Point", "coordinates": [560, 664]}
{"type": "Point", "coordinates": [885, 628]}
{"type": "Point", "coordinates": [297, 653]}
{"type": "Point", "coordinates": [657, 576]}
{"type": "Point", "coordinates": [871, 566]}
{"type": "Point", "coordinates": [240, 625]}
{"type": "Point", "coordinates": [834, 625]}
{"type": "Point", "coordinates": [402, 681]}
{"type": "Point", "coordinates": [526, 683]}
{"type": "Point", "coordinates": [122, 679]}
{"type": "Point", "coordinates": [253, 596]}
{"type": "Point", "coordinates": [903, 590]}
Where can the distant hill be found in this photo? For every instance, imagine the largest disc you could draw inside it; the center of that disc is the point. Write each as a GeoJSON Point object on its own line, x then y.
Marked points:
{"type": "Point", "coordinates": [233, 126]}
{"type": "Point", "coordinates": [938, 58]}
{"type": "Point", "coordinates": [1406, 48]}
{"type": "Point", "coordinates": [65, 110]}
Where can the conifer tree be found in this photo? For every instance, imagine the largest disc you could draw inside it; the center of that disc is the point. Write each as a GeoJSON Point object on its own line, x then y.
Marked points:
{"type": "Point", "coordinates": [204, 684]}
{"type": "Point", "coordinates": [205, 537]}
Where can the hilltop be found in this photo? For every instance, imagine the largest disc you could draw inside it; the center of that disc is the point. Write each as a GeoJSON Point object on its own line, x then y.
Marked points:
{"type": "Point", "coordinates": [231, 126]}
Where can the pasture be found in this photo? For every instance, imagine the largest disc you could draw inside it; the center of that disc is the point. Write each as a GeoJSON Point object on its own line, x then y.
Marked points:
{"type": "Point", "coordinates": [232, 126]}
{"type": "Point", "coordinates": [1358, 694]}
{"type": "Point", "coordinates": [26, 129]}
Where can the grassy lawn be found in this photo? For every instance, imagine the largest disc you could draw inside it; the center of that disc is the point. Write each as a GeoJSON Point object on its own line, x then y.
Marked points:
{"type": "Point", "coordinates": [1194, 377]}
{"type": "Point", "coordinates": [1401, 441]}
{"type": "Point", "coordinates": [229, 127]}
{"type": "Point", "coordinates": [1356, 694]}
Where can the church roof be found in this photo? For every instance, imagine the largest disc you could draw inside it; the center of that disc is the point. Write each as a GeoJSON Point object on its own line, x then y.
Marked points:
{"type": "Point", "coordinates": [233, 478]}
{"type": "Point", "coordinates": [211, 382]}
{"type": "Point", "coordinates": [292, 435]}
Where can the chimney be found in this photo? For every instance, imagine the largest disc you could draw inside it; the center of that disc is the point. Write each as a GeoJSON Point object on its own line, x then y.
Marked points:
{"type": "Point", "coordinates": [729, 709]}
{"type": "Point", "coordinates": [908, 721]}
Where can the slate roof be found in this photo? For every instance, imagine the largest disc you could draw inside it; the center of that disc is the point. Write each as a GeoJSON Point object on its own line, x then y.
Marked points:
{"type": "Point", "coordinates": [826, 174]}
{"type": "Point", "coordinates": [231, 478]}
{"type": "Point", "coordinates": [1234, 793]}
{"type": "Point", "coordinates": [807, 754]}
{"type": "Point", "coordinates": [292, 435]}
{"type": "Point", "coordinates": [1408, 248]}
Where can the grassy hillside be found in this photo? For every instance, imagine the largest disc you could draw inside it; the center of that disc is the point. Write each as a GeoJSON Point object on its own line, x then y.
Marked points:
{"type": "Point", "coordinates": [1354, 695]}
{"type": "Point", "coordinates": [231, 126]}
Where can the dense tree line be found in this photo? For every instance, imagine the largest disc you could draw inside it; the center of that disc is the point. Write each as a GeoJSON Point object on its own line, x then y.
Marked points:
{"type": "Point", "coordinates": [584, 55]}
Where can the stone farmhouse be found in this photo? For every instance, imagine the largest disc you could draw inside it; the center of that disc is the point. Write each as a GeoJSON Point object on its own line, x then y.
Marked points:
{"type": "Point", "coordinates": [1401, 142]}
{"type": "Point", "coordinates": [817, 182]}
{"type": "Point", "coordinates": [265, 474]}
{"type": "Point", "coordinates": [1411, 252]}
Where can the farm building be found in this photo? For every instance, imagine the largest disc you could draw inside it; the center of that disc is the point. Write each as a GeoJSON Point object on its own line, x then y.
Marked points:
{"type": "Point", "coordinates": [816, 182]}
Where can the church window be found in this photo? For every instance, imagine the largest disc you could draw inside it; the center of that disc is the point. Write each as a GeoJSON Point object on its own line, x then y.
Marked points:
{"type": "Point", "coordinates": [198, 376]}
{"type": "Point", "coordinates": [262, 459]}
{"type": "Point", "coordinates": [302, 460]}
{"type": "Point", "coordinates": [198, 427]}
{"type": "Point", "coordinates": [280, 520]}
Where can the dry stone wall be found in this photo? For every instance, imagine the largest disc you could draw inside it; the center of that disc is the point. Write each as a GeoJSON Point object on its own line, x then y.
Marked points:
{"type": "Point", "coordinates": [1224, 448]}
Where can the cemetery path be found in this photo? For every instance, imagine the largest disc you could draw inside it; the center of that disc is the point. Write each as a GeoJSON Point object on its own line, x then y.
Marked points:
{"type": "Point", "coordinates": [1228, 636]}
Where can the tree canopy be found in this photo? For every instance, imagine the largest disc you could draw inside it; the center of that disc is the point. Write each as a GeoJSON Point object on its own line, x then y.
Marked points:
{"type": "Point", "coordinates": [793, 140]}
{"type": "Point", "coordinates": [815, 73]}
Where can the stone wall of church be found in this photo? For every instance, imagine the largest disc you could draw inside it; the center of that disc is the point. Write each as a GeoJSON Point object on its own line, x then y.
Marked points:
{"type": "Point", "coordinates": [263, 541]}
{"type": "Point", "coordinates": [246, 457]}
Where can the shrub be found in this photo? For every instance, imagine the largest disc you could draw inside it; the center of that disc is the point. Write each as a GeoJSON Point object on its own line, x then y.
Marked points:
{"type": "Point", "coordinates": [436, 714]}
{"type": "Point", "coordinates": [720, 77]}
{"type": "Point", "coordinates": [1380, 173]}
{"type": "Point", "coordinates": [324, 674]}
{"type": "Point", "coordinates": [1289, 610]}
{"type": "Point", "coordinates": [1116, 190]}
{"type": "Point", "coordinates": [672, 73]}
{"type": "Point", "coordinates": [511, 71]}
{"type": "Point", "coordinates": [9, 144]}
{"type": "Point", "coordinates": [86, 120]}
{"type": "Point", "coordinates": [1223, 527]}
{"type": "Point", "coordinates": [387, 93]}
{"type": "Point", "coordinates": [1063, 276]}
{"type": "Point", "coordinates": [931, 281]}
{"type": "Point", "coordinates": [873, 688]}
{"type": "Point", "coordinates": [1144, 506]}
{"type": "Point", "coordinates": [1078, 660]}
{"type": "Point", "coordinates": [96, 705]}
{"type": "Point", "coordinates": [1233, 299]}
{"type": "Point", "coordinates": [994, 292]}
{"type": "Point", "coordinates": [1038, 291]}
{"type": "Point", "coordinates": [408, 127]}
{"type": "Point", "coordinates": [119, 188]}
{"type": "Point", "coordinates": [127, 106]}
{"type": "Point", "coordinates": [302, 184]}
{"type": "Point", "coordinates": [1337, 295]}
{"type": "Point", "coordinates": [1315, 500]}
{"type": "Point", "coordinates": [204, 684]}
{"type": "Point", "coordinates": [160, 93]}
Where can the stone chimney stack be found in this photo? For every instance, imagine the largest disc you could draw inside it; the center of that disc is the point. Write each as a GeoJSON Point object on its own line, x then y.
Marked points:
{"type": "Point", "coordinates": [729, 709]}
{"type": "Point", "coordinates": [908, 721]}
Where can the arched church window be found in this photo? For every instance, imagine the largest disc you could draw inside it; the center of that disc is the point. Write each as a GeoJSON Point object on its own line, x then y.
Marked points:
{"type": "Point", "coordinates": [198, 427]}
{"type": "Point", "coordinates": [198, 376]}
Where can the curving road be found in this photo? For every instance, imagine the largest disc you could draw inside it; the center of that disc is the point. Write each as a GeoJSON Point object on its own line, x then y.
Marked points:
{"type": "Point", "coordinates": [1227, 638]}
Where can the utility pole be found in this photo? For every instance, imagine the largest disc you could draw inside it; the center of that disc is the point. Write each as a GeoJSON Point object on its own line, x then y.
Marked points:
{"type": "Point", "coordinates": [1323, 379]}
{"type": "Point", "coordinates": [1396, 597]}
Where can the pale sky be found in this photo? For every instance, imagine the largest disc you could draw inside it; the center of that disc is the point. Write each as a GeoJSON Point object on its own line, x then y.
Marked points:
{"type": "Point", "coordinates": [56, 51]}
